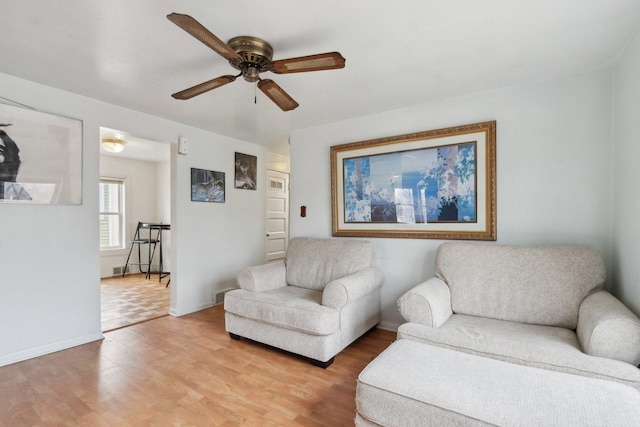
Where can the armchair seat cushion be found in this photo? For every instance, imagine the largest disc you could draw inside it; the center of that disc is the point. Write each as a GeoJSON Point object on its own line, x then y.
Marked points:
{"type": "Point", "coordinates": [551, 348]}
{"type": "Point", "coordinates": [289, 307]}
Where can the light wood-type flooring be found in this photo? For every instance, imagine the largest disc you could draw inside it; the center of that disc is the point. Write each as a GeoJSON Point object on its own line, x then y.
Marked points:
{"type": "Point", "coordinates": [133, 299]}
{"type": "Point", "coordinates": [183, 371]}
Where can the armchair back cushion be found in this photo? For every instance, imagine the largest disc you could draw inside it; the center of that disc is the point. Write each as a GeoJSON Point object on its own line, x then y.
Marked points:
{"type": "Point", "coordinates": [537, 285]}
{"type": "Point", "coordinates": [312, 263]}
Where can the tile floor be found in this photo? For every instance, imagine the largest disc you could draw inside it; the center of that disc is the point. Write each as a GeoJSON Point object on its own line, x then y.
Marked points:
{"type": "Point", "coordinates": [133, 299]}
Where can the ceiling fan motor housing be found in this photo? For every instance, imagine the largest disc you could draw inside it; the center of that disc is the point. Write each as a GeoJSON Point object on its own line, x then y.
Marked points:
{"type": "Point", "coordinates": [256, 56]}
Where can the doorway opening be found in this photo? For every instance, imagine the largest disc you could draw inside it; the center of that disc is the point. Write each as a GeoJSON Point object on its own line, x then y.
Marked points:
{"type": "Point", "coordinates": [135, 268]}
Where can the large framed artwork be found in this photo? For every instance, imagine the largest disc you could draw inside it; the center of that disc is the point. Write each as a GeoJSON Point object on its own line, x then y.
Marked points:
{"type": "Point", "coordinates": [437, 184]}
{"type": "Point", "coordinates": [207, 186]}
{"type": "Point", "coordinates": [246, 171]}
{"type": "Point", "coordinates": [40, 157]}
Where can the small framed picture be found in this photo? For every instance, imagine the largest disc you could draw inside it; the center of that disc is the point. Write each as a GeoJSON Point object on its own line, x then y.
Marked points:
{"type": "Point", "coordinates": [246, 171]}
{"type": "Point", "coordinates": [207, 186]}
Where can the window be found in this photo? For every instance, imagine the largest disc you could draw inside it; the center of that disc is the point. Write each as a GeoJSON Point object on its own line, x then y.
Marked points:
{"type": "Point", "coordinates": [111, 213]}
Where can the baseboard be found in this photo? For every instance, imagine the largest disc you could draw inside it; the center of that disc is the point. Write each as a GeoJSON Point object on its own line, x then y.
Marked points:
{"type": "Point", "coordinates": [175, 313]}
{"type": "Point", "coordinates": [19, 356]}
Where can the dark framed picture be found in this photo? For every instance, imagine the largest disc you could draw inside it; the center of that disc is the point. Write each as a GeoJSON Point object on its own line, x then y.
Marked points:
{"type": "Point", "coordinates": [246, 171]}
{"type": "Point", "coordinates": [437, 184]}
{"type": "Point", "coordinates": [207, 186]}
{"type": "Point", "coordinates": [40, 157]}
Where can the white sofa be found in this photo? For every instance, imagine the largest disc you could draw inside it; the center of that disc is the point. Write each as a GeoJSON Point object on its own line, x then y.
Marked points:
{"type": "Point", "coordinates": [321, 298]}
{"type": "Point", "coordinates": [542, 308]}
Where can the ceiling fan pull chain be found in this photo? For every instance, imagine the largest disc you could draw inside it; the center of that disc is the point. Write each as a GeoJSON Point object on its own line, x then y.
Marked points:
{"type": "Point", "coordinates": [255, 93]}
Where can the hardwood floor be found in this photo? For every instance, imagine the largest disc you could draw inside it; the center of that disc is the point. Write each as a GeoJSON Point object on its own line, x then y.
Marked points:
{"type": "Point", "coordinates": [133, 299]}
{"type": "Point", "coordinates": [183, 371]}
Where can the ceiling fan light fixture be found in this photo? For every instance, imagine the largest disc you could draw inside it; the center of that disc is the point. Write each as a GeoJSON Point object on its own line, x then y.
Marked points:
{"type": "Point", "coordinates": [112, 145]}
{"type": "Point", "coordinates": [251, 74]}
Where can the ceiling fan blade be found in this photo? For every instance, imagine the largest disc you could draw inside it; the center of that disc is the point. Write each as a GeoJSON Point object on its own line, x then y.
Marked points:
{"type": "Point", "coordinates": [198, 31]}
{"type": "Point", "coordinates": [322, 61]}
{"type": "Point", "coordinates": [204, 87]}
{"type": "Point", "coordinates": [277, 95]}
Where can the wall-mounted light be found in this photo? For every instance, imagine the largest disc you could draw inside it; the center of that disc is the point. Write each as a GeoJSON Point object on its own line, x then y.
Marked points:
{"type": "Point", "coordinates": [113, 145]}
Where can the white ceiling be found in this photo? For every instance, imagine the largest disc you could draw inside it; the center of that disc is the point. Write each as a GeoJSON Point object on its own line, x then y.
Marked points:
{"type": "Point", "coordinates": [135, 147]}
{"type": "Point", "coordinates": [398, 53]}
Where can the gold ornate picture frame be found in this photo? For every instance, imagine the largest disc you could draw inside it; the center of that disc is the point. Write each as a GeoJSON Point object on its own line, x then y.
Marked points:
{"type": "Point", "coordinates": [436, 184]}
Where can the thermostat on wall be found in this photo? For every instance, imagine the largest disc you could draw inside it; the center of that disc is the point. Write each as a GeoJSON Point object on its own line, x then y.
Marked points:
{"type": "Point", "coordinates": [182, 145]}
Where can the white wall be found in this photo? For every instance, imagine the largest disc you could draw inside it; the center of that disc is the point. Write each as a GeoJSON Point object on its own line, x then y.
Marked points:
{"type": "Point", "coordinates": [163, 208]}
{"type": "Point", "coordinates": [626, 206]}
{"type": "Point", "coordinates": [163, 191]}
{"type": "Point", "coordinates": [141, 204]}
{"type": "Point", "coordinates": [278, 162]}
{"type": "Point", "coordinates": [553, 170]}
{"type": "Point", "coordinates": [215, 240]}
{"type": "Point", "coordinates": [554, 186]}
{"type": "Point", "coordinates": [49, 255]}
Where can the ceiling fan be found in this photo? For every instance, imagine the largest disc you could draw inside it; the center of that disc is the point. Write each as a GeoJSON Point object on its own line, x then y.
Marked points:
{"type": "Point", "coordinates": [252, 56]}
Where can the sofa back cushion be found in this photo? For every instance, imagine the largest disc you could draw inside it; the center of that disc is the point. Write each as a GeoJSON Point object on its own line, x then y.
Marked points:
{"type": "Point", "coordinates": [537, 285]}
{"type": "Point", "coordinates": [312, 263]}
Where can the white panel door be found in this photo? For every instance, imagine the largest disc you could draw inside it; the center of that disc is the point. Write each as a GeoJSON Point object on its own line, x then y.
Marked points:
{"type": "Point", "coordinates": [277, 214]}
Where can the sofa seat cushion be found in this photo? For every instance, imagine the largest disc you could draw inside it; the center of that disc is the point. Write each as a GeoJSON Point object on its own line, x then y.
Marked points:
{"type": "Point", "coordinates": [415, 384]}
{"type": "Point", "coordinates": [289, 307]}
{"type": "Point", "coordinates": [552, 348]}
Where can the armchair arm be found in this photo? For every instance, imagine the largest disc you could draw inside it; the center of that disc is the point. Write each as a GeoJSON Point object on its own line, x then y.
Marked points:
{"type": "Point", "coordinates": [262, 278]}
{"type": "Point", "coordinates": [429, 303]}
{"type": "Point", "coordinates": [607, 328]}
{"type": "Point", "coordinates": [340, 292]}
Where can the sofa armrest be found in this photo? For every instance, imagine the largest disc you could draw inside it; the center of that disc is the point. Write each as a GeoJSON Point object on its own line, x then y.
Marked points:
{"type": "Point", "coordinates": [340, 292]}
{"type": "Point", "coordinates": [262, 278]}
{"type": "Point", "coordinates": [607, 328]}
{"type": "Point", "coordinates": [429, 303]}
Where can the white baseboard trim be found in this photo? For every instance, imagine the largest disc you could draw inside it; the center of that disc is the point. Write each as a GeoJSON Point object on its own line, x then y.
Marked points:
{"type": "Point", "coordinates": [175, 313]}
{"type": "Point", "coordinates": [388, 326]}
{"type": "Point", "coordinates": [30, 353]}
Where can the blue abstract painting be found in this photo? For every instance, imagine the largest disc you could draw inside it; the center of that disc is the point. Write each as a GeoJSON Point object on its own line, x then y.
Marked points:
{"type": "Point", "coordinates": [429, 185]}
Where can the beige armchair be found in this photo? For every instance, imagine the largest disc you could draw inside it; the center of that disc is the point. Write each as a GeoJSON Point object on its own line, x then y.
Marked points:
{"type": "Point", "coordinates": [508, 335]}
{"type": "Point", "coordinates": [536, 306]}
{"type": "Point", "coordinates": [317, 301]}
